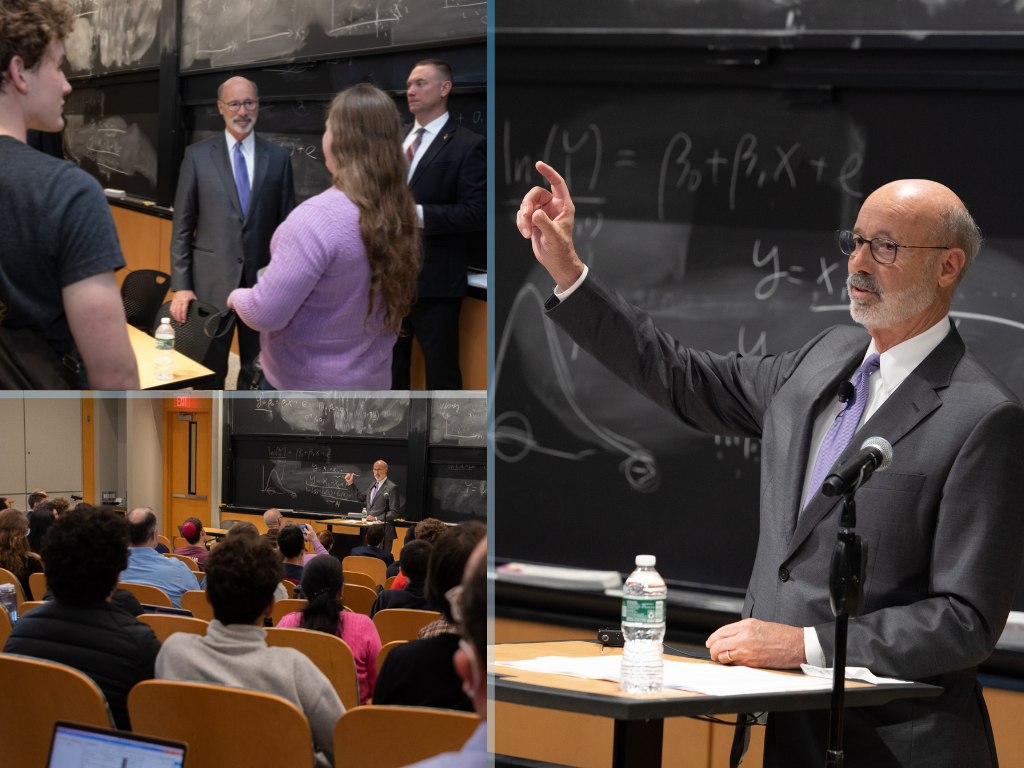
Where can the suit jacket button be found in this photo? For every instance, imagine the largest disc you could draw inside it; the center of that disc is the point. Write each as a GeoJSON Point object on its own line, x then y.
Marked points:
{"type": "Point", "coordinates": [239, 261]}
{"type": "Point", "coordinates": [783, 574]}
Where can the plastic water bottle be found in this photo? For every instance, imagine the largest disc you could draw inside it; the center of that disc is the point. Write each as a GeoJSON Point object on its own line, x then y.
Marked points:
{"type": "Point", "coordinates": [643, 628]}
{"type": "Point", "coordinates": [9, 600]}
{"type": "Point", "coordinates": [164, 346]}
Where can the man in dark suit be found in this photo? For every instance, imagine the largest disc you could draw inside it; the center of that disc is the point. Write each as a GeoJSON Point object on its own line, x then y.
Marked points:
{"type": "Point", "coordinates": [382, 501]}
{"type": "Point", "coordinates": [944, 523]}
{"type": "Point", "coordinates": [374, 539]}
{"type": "Point", "coordinates": [448, 180]}
{"type": "Point", "coordinates": [233, 192]}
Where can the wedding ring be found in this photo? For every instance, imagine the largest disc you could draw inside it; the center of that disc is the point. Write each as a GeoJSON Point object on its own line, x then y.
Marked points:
{"type": "Point", "coordinates": [728, 657]}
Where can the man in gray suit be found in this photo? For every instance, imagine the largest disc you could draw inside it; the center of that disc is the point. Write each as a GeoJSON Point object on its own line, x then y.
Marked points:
{"type": "Point", "coordinates": [944, 523]}
{"type": "Point", "coordinates": [382, 500]}
{"type": "Point", "coordinates": [233, 192]}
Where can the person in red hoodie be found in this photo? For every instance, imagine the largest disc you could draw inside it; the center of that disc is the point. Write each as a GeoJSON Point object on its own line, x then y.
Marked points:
{"type": "Point", "coordinates": [194, 533]}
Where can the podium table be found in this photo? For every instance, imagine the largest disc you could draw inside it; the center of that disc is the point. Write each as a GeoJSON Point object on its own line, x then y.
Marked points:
{"type": "Point", "coordinates": [640, 718]}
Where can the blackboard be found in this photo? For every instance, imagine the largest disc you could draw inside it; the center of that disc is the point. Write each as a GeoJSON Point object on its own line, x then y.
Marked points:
{"type": "Point", "coordinates": [111, 132]}
{"type": "Point", "coordinates": [774, 22]}
{"type": "Point", "coordinates": [217, 34]}
{"type": "Point", "coordinates": [458, 492]}
{"type": "Point", "coordinates": [113, 36]}
{"type": "Point", "coordinates": [715, 209]}
{"type": "Point", "coordinates": [309, 475]}
{"type": "Point", "coordinates": [458, 421]}
{"type": "Point", "coordinates": [321, 413]}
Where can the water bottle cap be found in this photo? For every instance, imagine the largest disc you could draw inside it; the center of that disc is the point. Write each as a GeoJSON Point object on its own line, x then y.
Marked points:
{"type": "Point", "coordinates": [165, 320]}
{"type": "Point", "coordinates": [645, 561]}
{"type": "Point", "coordinates": [6, 587]}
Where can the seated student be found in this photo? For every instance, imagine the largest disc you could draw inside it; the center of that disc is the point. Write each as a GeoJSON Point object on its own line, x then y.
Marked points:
{"type": "Point", "coordinates": [241, 576]}
{"type": "Point", "coordinates": [194, 533]}
{"type": "Point", "coordinates": [469, 606]}
{"type": "Point", "coordinates": [60, 506]}
{"type": "Point", "coordinates": [248, 531]}
{"type": "Point", "coordinates": [15, 554]}
{"type": "Point", "coordinates": [85, 551]}
{"type": "Point", "coordinates": [322, 543]}
{"type": "Point", "coordinates": [39, 521]}
{"type": "Point", "coordinates": [322, 583]}
{"type": "Point", "coordinates": [415, 557]}
{"type": "Point", "coordinates": [419, 673]}
{"type": "Point", "coordinates": [374, 546]}
{"type": "Point", "coordinates": [429, 530]}
{"type": "Point", "coordinates": [147, 566]}
{"type": "Point", "coordinates": [291, 541]}
{"type": "Point", "coordinates": [394, 568]}
{"type": "Point", "coordinates": [272, 519]}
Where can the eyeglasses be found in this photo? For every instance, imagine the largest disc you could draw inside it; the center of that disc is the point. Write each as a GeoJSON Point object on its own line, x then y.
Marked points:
{"type": "Point", "coordinates": [882, 249]}
{"type": "Point", "coordinates": [249, 104]}
{"type": "Point", "coordinates": [454, 598]}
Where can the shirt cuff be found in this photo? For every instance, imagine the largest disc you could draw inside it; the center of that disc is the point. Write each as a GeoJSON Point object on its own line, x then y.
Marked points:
{"type": "Point", "coordinates": [563, 295]}
{"type": "Point", "coordinates": [419, 216]}
{"type": "Point", "coordinates": [812, 648]}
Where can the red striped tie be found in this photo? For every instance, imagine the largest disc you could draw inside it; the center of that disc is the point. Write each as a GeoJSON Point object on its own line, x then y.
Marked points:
{"type": "Point", "coordinates": [410, 153]}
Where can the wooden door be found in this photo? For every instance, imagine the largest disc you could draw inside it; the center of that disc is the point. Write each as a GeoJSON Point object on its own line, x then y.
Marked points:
{"type": "Point", "coordinates": [189, 451]}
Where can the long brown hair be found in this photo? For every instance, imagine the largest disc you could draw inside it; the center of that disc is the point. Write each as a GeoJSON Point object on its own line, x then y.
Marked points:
{"type": "Point", "coordinates": [13, 541]}
{"type": "Point", "coordinates": [366, 146]}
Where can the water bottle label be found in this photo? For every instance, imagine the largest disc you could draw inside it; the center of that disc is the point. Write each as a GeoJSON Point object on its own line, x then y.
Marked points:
{"type": "Point", "coordinates": [164, 345]}
{"type": "Point", "coordinates": [643, 611]}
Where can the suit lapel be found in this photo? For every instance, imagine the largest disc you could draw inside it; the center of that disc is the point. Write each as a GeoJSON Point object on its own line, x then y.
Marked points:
{"type": "Point", "coordinates": [262, 155]}
{"type": "Point", "coordinates": [440, 141]}
{"type": "Point", "coordinates": [219, 156]}
{"type": "Point", "coordinates": [912, 401]}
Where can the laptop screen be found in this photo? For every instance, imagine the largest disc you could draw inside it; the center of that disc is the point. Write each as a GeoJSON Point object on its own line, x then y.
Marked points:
{"type": "Point", "coordinates": [83, 747]}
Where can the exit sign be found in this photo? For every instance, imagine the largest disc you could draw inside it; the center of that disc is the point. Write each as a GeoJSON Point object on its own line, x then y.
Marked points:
{"type": "Point", "coordinates": [184, 402]}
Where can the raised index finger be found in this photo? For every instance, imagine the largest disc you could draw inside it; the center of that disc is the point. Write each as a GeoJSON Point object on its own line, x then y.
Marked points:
{"type": "Point", "coordinates": [557, 183]}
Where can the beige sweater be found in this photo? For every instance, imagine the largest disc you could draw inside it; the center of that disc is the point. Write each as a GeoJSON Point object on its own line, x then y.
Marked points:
{"type": "Point", "coordinates": [237, 655]}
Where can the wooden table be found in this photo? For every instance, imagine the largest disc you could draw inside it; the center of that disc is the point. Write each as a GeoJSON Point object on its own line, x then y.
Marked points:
{"type": "Point", "coordinates": [217, 532]}
{"type": "Point", "coordinates": [640, 718]}
{"type": "Point", "coordinates": [185, 368]}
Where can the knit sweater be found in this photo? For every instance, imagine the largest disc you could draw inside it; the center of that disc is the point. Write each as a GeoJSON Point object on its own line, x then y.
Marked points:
{"type": "Point", "coordinates": [237, 655]}
{"type": "Point", "coordinates": [311, 303]}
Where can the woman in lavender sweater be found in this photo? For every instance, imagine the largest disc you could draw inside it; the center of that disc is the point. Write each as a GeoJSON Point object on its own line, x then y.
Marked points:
{"type": "Point", "coordinates": [344, 264]}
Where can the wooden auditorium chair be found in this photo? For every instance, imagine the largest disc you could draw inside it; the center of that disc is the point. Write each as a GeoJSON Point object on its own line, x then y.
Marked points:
{"type": "Point", "coordinates": [401, 623]}
{"type": "Point", "coordinates": [195, 601]}
{"type": "Point", "coordinates": [27, 606]}
{"type": "Point", "coordinates": [369, 565]}
{"type": "Point", "coordinates": [5, 628]}
{"type": "Point", "coordinates": [411, 734]}
{"type": "Point", "coordinates": [385, 650]}
{"type": "Point", "coordinates": [146, 594]}
{"type": "Point", "coordinates": [331, 655]}
{"type": "Point", "coordinates": [165, 624]}
{"type": "Point", "coordinates": [37, 583]}
{"type": "Point", "coordinates": [360, 578]}
{"type": "Point", "coordinates": [359, 599]}
{"type": "Point", "coordinates": [283, 607]}
{"type": "Point", "coordinates": [222, 726]}
{"type": "Point", "coordinates": [34, 695]}
{"type": "Point", "coordinates": [165, 541]}
{"type": "Point", "coordinates": [192, 564]}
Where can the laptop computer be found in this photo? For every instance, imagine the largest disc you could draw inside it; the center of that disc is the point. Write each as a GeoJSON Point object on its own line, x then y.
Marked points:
{"type": "Point", "coordinates": [76, 745]}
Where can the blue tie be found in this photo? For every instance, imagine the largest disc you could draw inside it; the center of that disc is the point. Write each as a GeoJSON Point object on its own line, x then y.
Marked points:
{"type": "Point", "coordinates": [241, 178]}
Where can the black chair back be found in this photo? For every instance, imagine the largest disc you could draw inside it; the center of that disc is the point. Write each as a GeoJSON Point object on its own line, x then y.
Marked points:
{"type": "Point", "coordinates": [189, 338]}
{"type": "Point", "coordinates": [142, 293]}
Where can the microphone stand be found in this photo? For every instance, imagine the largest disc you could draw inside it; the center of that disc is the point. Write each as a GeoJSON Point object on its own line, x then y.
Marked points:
{"type": "Point", "coordinates": [846, 592]}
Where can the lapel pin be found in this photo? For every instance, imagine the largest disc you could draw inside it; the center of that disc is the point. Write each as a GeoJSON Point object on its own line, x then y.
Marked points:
{"type": "Point", "coordinates": [445, 137]}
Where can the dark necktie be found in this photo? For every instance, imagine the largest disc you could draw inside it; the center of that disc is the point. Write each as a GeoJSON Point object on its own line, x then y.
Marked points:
{"type": "Point", "coordinates": [842, 429]}
{"type": "Point", "coordinates": [241, 178]}
{"type": "Point", "coordinates": [410, 153]}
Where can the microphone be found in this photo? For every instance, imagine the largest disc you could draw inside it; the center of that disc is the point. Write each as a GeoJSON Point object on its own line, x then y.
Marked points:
{"type": "Point", "coordinates": [875, 455]}
{"type": "Point", "coordinates": [847, 392]}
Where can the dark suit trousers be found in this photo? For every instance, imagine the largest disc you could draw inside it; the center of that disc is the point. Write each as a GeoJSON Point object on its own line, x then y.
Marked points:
{"type": "Point", "coordinates": [435, 322]}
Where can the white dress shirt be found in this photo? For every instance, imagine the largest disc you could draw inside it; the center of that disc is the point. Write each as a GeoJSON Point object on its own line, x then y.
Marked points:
{"type": "Point", "coordinates": [248, 152]}
{"type": "Point", "coordinates": [895, 365]}
{"type": "Point", "coordinates": [431, 130]}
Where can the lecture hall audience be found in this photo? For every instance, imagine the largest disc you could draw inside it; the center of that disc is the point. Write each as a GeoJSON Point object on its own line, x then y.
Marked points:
{"type": "Point", "coordinates": [85, 552]}
{"type": "Point", "coordinates": [147, 566]}
{"type": "Point", "coordinates": [415, 559]}
{"type": "Point", "coordinates": [419, 673]}
{"type": "Point", "coordinates": [241, 576]}
{"type": "Point", "coordinates": [322, 583]}
{"type": "Point", "coordinates": [193, 532]}
{"type": "Point", "coordinates": [15, 554]}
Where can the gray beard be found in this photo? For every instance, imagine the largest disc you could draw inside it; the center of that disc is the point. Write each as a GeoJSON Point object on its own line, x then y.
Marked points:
{"type": "Point", "coordinates": [889, 309]}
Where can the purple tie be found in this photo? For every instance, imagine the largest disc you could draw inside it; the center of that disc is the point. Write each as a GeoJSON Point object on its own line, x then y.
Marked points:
{"type": "Point", "coordinates": [241, 178]}
{"type": "Point", "coordinates": [842, 429]}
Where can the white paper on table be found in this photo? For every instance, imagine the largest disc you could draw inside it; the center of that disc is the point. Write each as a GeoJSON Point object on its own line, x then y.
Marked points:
{"type": "Point", "coordinates": [852, 673]}
{"type": "Point", "coordinates": [710, 679]}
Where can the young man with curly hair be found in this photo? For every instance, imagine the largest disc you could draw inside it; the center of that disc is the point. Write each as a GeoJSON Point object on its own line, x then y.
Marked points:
{"type": "Point", "coordinates": [60, 307]}
{"type": "Point", "coordinates": [85, 552]}
{"type": "Point", "coordinates": [241, 576]}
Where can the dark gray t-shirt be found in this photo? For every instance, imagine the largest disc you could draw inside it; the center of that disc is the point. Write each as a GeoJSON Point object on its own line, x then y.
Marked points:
{"type": "Point", "coordinates": [55, 229]}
